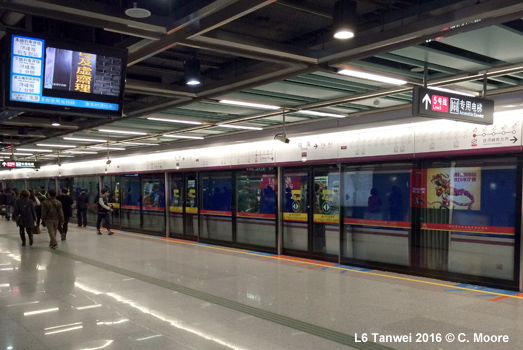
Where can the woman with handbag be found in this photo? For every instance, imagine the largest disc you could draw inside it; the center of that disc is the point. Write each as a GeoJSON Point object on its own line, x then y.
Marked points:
{"type": "Point", "coordinates": [25, 216]}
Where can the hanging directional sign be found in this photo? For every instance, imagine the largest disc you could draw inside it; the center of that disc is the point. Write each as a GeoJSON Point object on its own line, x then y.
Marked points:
{"type": "Point", "coordinates": [439, 104]}
{"type": "Point", "coordinates": [8, 164]}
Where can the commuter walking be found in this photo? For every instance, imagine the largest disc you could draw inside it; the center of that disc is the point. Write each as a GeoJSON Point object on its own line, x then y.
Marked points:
{"type": "Point", "coordinates": [2, 199]}
{"type": "Point", "coordinates": [25, 216]}
{"type": "Point", "coordinates": [104, 213]}
{"type": "Point", "coordinates": [41, 196]}
{"type": "Point", "coordinates": [67, 208]}
{"type": "Point", "coordinates": [81, 208]}
{"type": "Point", "coordinates": [9, 202]}
{"type": "Point", "coordinates": [52, 216]}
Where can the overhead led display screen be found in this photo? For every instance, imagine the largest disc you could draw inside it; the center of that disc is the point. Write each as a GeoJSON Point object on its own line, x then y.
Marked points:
{"type": "Point", "coordinates": [47, 74]}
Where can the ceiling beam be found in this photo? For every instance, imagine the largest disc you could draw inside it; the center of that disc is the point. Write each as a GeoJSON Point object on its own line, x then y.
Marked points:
{"type": "Point", "coordinates": [76, 12]}
{"type": "Point", "coordinates": [204, 22]}
{"type": "Point", "coordinates": [465, 19]}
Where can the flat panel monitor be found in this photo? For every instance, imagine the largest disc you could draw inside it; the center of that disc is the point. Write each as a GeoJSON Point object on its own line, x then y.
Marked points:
{"type": "Point", "coordinates": [46, 74]}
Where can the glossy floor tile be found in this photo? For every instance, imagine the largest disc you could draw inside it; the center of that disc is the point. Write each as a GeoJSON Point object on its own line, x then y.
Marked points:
{"type": "Point", "coordinates": [132, 291]}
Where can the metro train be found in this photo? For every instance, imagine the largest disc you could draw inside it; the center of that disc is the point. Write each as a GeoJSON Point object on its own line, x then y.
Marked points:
{"type": "Point", "coordinates": [439, 198]}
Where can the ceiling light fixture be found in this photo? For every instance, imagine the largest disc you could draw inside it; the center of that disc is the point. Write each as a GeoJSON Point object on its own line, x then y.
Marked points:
{"type": "Point", "coordinates": [111, 148]}
{"type": "Point", "coordinates": [248, 104]}
{"type": "Point", "coordinates": [83, 140]}
{"type": "Point", "coordinates": [175, 121]}
{"type": "Point", "coordinates": [451, 91]}
{"type": "Point", "coordinates": [80, 152]}
{"type": "Point", "coordinates": [193, 74]}
{"type": "Point", "coordinates": [122, 132]}
{"type": "Point", "coordinates": [34, 150]}
{"type": "Point", "coordinates": [322, 114]}
{"type": "Point", "coordinates": [136, 12]}
{"type": "Point", "coordinates": [139, 143]}
{"type": "Point", "coordinates": [17, 154]}
{"type": "Point", "coordinates": [344, 19]}
{"type": "Point", "coordinates": [239, 127]}
{"type": "Point", "coordinates": [184, 137]}
{"type": "Point", "coordinates": [55, 121]}
{"type": "Point", "coordinates": [371, 76]}
{"type": "Point", "coordinates": [53, 145]}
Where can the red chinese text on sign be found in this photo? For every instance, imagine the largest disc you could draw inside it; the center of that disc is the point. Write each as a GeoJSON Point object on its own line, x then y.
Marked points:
{"type": "Point", "coordinates": [440, 103]}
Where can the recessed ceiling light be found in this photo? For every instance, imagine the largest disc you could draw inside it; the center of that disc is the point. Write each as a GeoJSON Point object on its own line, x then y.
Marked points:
{"type": "Point", "coordinates": [322, 114]}
{"type": "Point", "coordinates": [34, 150]}
{"type": "Point", "coordinates": [122, 132]}
{"type": "Point", "coordinates": [81, 152]}
{"type": "Point", "coordinates": [184, 137]}
{"type": "Point", "coordinates": [17, 154]}
{"type": "Point", "coordinates": [83, 139]}
{"type": "Point", "coordinates": [52, 145]}
{"type": "Point", "coordinates": [175, 121]}
{"type": "Point", "coordinates": [371, 76]}
{"type": "Point", "coordinates": [137, 12]}
{"type": "Point", "coordinates": [239, 127]}
{"type": "Point", "coordinates": [110, 148]}
{"type": "Point", "coordinates": [248, 104]}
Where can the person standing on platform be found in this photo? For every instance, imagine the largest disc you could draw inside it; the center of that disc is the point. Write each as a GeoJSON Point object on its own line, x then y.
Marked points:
{"type": "Point", "coordinates": [9, 202]}
{"type": "Point", "coordinates": [67, 203]}
{"type": "Point", "coordinates": [104, 213]}
{"type": "Point", "coordinates": [25, 215]}
{"type": "Point", "coordinates": [81, 208]}
{"type": "Point", "coordinates": [52, 216]}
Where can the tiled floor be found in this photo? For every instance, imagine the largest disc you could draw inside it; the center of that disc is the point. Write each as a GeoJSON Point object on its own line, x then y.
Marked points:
{"type": "Point", "coordinates": [131, 291]}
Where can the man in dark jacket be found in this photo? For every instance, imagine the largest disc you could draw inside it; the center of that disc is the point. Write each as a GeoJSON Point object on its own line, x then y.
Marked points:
{"type": "Point", "coordinates": [2, 199]}
{"type": "Point", "coordinates": [25, 212]}
{"type": "Point", "coordinates": [104, 212]}
{"type": "Point", "coordinates": [67, 204]}
{"type": "Point", "coordinates": [53, 216]}
{"type": "Point", "coordinates": [81, 208]}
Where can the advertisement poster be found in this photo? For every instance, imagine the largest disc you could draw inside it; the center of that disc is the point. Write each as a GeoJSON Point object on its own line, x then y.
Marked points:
{"type": "Point", "coordinates": [454, 188]}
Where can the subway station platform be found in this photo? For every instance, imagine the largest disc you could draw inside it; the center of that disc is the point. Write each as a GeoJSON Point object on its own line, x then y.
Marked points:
{"type": "Point", "coordinates": [133, 291]}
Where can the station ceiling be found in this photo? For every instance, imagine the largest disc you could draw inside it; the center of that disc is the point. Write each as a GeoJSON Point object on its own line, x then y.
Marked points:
{"type": "Point", "coordinates": [271, 52]}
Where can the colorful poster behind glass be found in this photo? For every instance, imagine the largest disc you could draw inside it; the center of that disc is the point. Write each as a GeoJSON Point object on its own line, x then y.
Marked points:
{"type": "Point", "coordinates": [452, 188]}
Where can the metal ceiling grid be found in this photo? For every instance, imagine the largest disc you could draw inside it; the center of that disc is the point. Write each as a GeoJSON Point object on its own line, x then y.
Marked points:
{"type": "Point", "coordinates": [271, 52]}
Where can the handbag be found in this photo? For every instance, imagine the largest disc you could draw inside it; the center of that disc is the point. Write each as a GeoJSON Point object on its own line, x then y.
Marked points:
{"type": "Point", "coordinates": [36, 230]}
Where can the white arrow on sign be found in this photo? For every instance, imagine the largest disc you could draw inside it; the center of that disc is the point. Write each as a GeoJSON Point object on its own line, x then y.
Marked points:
{"type": "Point", "coordinates": [427, 101]}
{"type": "Point", "coordinates": [3, 163]}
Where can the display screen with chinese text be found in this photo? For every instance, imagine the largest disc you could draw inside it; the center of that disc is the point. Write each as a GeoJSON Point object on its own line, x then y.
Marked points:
{"type": "Point", "coordinates": [50, 75]}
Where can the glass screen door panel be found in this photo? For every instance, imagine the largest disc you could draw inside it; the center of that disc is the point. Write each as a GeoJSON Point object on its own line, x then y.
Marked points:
{"type": "Point", "coordinates": [326, 212]}
{"type": "Point", "coordinates": [216, 214]}
{"type": "Point", "coordinates": [467, 212]}
{"type": "Point", "coordinates": [376, 213]}
{"type": "Point", "coordinates": [256, 207]}
{"type": "Point", "coordinates": [176, 204]}
{"type": "Point", "coordinates": [153, 203]}
{"type": "Point", "coordinates": [191, 204]}
{"type": "Point", "coordinates": [130, 206]}
{"type": "Point", "coordinates": [295, 209]}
